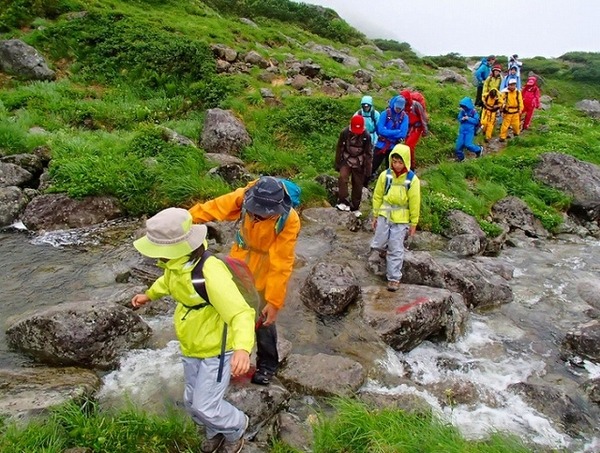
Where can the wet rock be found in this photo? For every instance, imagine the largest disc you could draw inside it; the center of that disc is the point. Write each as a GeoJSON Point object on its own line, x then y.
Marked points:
{"type": "Point", "coordinates": [425, 241]}
{"type": "Point", "coordinates": [222, 52]}
{"type": "Point", "coordinates": [515, 213]}
{"type": "Point", "coordinates": [23, 61]}
{"type": "Point", "coordinates": [294, 432]}
{"type": "Point", "coordinates": [589, 291]}
{"type": "Point", "coordinates": [330, 288]}
{"type": "Point", "coordinates": [223, 133]}
{"type": "Point", "coordinates": [462, 223]}
{"type": "Point", "coordinates": [496, 266]}
{"type": "Point", "coordinates": [584, 340]}
{"type": "Point", "coordinates": [13, 175]}
{"type": "Point", "coordinates": [260, 403]}
{"type": "Point", "coordinates": [592, 388]}
{"type": "Point", "coordinates": [479, 287]}
{"type": "Point", "coordinates": [310, 69]}
{"type": "Point", "coordinates": [579, 179]}
{"type": "Point", "coordinates": [89, 334]}
{"type": "Point", "coordinates": [58, 211]}
{"type": "Point", "coordinates": [413, 314]}
{"type": "Point", "coordinates": [323, 374]}
{"type": "Point", "coordinates": [407, 402]}
{"type": "Point", "coordinates": [590, 107]}
{"type": "Point", "coordinates": [466, 244]}
{"type": "Point", "coordinates": [28, 392]}
{"type": "Point", "coordinates": [328, 216]}
{"type": "Point", "coordinates": [330, 183]}
{"type": "Point", "coordinates": [451, 393]}
{"type": "Point", "coordinates": [420, 269]}
{"type": "Point", "coordinates": [12, 203]}
{"type": "Point", "coordinates": [30, 162]}
{"type": "Point", "coordinates": [568, 411]}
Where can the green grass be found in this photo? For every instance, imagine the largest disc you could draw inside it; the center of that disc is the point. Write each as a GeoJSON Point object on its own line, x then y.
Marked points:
{"type": "Point", "coordinates": [352, 427]}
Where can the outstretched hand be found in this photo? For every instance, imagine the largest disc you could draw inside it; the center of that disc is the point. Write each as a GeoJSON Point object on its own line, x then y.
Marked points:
{"type": "Point", "coordinates": [270, 313]}
{"type": "Point", "coordinates": [139, 299]}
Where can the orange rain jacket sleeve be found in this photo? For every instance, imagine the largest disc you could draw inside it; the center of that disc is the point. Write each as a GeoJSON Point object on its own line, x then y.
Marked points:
{"type": "Point", "coordinates": [269, 256]}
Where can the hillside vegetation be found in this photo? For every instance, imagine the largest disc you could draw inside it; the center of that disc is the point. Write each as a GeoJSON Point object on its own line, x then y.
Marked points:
{"type": "Point", "coordinates": [127, 67]}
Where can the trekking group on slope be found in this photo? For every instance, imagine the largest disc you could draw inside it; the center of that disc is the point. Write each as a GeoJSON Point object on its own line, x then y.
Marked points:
{"type": "Point", "coordinates": [216, 327]}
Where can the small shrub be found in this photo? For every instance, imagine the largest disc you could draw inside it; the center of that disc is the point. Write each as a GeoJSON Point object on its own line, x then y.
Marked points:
{"type": "Point", "coordinates": [454, 60]}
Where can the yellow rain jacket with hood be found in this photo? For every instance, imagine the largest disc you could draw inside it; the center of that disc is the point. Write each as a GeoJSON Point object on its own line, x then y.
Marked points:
{"type": "Point", "coordinates": [269, 254]}
{"type": "Point", "coordinates": [400, 204]}
{"type": "Point", "coordinates": [200, 331]}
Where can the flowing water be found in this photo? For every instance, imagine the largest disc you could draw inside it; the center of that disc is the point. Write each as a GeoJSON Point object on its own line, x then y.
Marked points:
{"type": "Point", "coordinates": [518, 342]}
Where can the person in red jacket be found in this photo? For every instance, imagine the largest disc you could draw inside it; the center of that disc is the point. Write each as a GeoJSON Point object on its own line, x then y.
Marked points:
{"type": "Point", "coordinates": [531, 100]}
{"type": "Point", "coordinates": [418, 123]}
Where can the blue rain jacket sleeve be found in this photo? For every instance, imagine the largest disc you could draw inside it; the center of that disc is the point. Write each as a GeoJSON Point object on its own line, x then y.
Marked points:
{"type": "Point", "coordinates": [384, 127]}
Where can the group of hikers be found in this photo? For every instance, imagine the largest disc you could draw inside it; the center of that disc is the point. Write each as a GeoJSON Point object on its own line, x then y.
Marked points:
{"type": "Point", "coordinates": [216, 327]}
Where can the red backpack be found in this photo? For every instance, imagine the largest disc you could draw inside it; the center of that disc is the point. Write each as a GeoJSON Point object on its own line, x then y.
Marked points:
{"type": "Point", "coordinates": [418, 96]}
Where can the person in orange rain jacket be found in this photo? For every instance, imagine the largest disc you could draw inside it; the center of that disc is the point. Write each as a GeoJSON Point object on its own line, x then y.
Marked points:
{"type": "Point", "coordinates": [531, 100]}
{"type": "Point", "coordinates": [491, 104]}
{"type": "Point", "coordinates": [268, 229]}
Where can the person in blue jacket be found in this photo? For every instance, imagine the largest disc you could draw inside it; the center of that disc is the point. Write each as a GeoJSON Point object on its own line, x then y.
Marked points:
{"type": "Point", "coordinates": [512, 74]}
{"type": "Point", "coordinates": [371, 116]}
{"type": "Point", "coordinates": [392, 128]}
{"type": "Point", "coordinates": [482, 73]}
{"type": "Point", "coordinates": [468, 120]}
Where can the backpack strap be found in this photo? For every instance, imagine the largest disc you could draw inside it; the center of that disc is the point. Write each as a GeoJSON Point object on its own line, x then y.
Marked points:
{"type": "Point", "coordinates": [389, 178]}
{"type": "Point", "coordinates": [199, 284]}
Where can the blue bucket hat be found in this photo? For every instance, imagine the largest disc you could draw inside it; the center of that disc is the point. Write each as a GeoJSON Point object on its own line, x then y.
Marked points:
{"type": "Point", "coordinates": [267, 198]}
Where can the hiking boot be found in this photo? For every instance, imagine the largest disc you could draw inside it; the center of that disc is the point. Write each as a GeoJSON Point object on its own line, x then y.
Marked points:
{"type": "Point", "coordinates": [479, 154]}
{"type": "Point", "coordinates": [261, 377]}
{"type": "Point", "coordinates": [501, 140]}
{"type": "Point", "coordinates": [234, 446]}
{"type": "Point", "coordinates": [393, 286]}
{"type": "Point", "coordinates": [342, 207]}
{"type": "Point", "coordinates": [211, 445]}
{"type": "Point", "coordinates": [486, 140]}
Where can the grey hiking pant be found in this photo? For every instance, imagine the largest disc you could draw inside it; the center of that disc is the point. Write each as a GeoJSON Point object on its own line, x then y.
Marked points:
{"type": "Point", "coordinates": [203, 397]}
{"type": "Point", "coordinates": [390, 236]}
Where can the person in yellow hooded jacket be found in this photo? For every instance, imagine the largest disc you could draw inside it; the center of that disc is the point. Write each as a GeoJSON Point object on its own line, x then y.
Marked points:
{"type": "Point", "coordinates": [396, 209]}
{"type": "Point", "coordinates": [266, 241]}
{"type": "Point", "coordinates": [199, 324]}
{"type": "Point", "coordinates": [512, 107]}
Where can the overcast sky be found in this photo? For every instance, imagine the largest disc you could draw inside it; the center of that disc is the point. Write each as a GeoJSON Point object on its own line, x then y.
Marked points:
{"type": "Point", "coordinates": [529, 28]}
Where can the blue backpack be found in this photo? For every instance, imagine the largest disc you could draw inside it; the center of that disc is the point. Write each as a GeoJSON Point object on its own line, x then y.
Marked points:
{"type": "Point", "coordinates": [293, 190]}
{"type": "Point", "coordinates": [389, 178]}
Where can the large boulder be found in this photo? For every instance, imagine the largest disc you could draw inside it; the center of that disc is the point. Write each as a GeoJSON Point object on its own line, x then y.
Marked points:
{"type": "Point", "coordinates": [58, 211]}
{"type": "Point", "coordinates": [23, 61]}
{"type": "Point", "coordinates": [413, 314]}
{"type": "Point", "coordinates": [584, 340]}
{"type": "Point", "coordinates": [446, 75]}
{"type": "Point", "coordinates": [13, 175]}
{"type": "Point", "coordinates": [579, 179]}
{"type": "Point", "coordinates": [12, 202]}
{"type": "Point", "coordinates": [27, 392]}
{"type": "Point", "coordinates": [515, 213]}
{"type": "Point", "coordinates": [323, 374]}
{"type": "Point", "coordinates": [223, 133]}
{"type": "Point", "coordinates": [466, 236]}
{"type": "Point", "coordinates": [31, 162]}
{"type": "Point", "coordinates": [330, 288]}
{"type": "Point", "coordinates": [89, 334]}
{"type": "Point", "coordinates": [590, 107]}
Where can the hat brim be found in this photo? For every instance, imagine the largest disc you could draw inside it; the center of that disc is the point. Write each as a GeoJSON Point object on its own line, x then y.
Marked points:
{"type": "Point", "coordinates": [256, 208]}
{"type": "Point", "coordinates": [173, 251]}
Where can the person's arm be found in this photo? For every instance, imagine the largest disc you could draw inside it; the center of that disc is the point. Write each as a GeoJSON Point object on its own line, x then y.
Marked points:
{"type": "Point", "coordinates": [225, 207]}
{"type": "Point", "coordinates": [156, 291]}
{"type": "Point", "coordinates": [281, 264]}
{"type": "Point", "coordinates": [401, 132]}
{"type": "Point", "coordinates": [368, 166]}
{"type": "Point", "coordinates": [339, 151]}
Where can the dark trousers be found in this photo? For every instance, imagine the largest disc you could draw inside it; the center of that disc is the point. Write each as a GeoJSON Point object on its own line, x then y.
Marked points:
{"type": "Point", "coordinates": [378, 158]}
{"type": "Point", "coordinates": [478, 100]}
{"type": "Point", "coordinates": [267, 357]}
{"type": "Point", "coordinates": [358, 179]}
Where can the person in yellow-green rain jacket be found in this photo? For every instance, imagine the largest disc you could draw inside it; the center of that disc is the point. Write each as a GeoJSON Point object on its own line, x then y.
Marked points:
{"type": "Point", "coordinates": [199, 324]}
{"type": "Point", "coordinates": [268, 229]}
{"type": "Point", "coordinates": [396, 209]}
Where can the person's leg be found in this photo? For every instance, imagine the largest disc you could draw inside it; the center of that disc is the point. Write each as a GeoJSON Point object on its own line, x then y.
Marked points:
{"type": "Point", "coordinates": [516, 124]}
{"type": "Point", "coordinates": [343, 184]}
{"type": "Point", "coordinates": [411, 141]}
{"type": "Point", "coordinates": [478, 101]}
{"type": "Point", "coordinates": [381, 236]}
{"type": "Point", "coordinates": [458, 147]}
{"type": "Point", "coordinates": [378, 157]}
{"type": "Point", "coordinates": [504, 127]}
{"type": "Point", "coordinates": [357, 186]}
{"type": "Point", "coordinates": [267, 356]}
{"type": "Point", "coordinates": [395, 254]}
{"type": "Point", "coordinates": [203, 398]}
{"type": "Point", "coordinates": [469, 137]}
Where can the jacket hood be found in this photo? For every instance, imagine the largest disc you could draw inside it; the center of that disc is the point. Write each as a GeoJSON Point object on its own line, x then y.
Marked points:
{"type": "Point", "coordinates": [367, 100]}
{"type": "Point", "coordinates": [532, 80]}
{"type": "Point", "coordinates": [398, 99]}
{"type": "Point", "coordinates": [404, 152]}
{"type": "Point", "coordinates": [466, 102]}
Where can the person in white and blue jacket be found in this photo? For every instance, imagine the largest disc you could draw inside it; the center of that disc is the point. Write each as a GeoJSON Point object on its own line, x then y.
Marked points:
{"type": "Point", "coordinates": [371, 116]}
